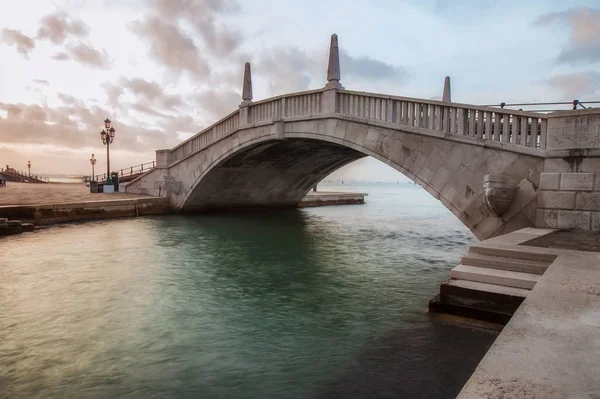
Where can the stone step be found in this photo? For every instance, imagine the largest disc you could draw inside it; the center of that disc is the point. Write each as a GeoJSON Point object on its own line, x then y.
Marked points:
{"type": "Point", "coordinates": [454, 287]}
{"type": "Point", "coordinates": [11, 227]}
{"type": "Point", "coordinates": [513, 253]}
{"type": "Point", "coordinates": [27, 227]}
{"type": "Point", "coordinates": [465, 308]}
{"type": "Point", "coordinates": [484, 296]}
{"type": "Point", "coordinates": [502, 263]}
{"type": "Point", "coordinates": [495, 276]}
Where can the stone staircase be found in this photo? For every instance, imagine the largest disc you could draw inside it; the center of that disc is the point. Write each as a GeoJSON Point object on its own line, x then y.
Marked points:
{"type": "Point", "coordinates": [11, 227]}
{"type": "Point", "coordinates": [490, 283]}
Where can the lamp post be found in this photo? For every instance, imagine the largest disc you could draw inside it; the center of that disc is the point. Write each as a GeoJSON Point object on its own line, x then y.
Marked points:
{"type": "Point", "coordinates": [29, 166]}
{"type": "Point", "coordinates": [107, 135]}
{"type": "Point", "coordinates": [93, 163]}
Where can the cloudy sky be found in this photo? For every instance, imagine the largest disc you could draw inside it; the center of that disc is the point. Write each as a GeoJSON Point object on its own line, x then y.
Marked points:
{"type": "Point", "coordinates": [164, 69]}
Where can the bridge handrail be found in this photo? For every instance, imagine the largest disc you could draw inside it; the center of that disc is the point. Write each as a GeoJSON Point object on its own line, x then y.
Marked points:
{"type": "Point", "coordinates": [130, 171]}
{"type": "Point", "coordinates": [288, 95]}
{"type": "Point", "coordinates": [13, 173]}
{"type": "Point", "coordinates": [205, 130]}
{"type": "Point", "coordinates": [573, 104]}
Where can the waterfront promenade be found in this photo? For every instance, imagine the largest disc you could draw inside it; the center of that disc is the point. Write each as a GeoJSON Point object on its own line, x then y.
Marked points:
{"type": "Point", "coordinates": [54, 193]}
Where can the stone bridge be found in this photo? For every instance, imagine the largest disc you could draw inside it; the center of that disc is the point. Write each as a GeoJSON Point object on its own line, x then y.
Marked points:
{"type": "Point", "coordinates": [497, 170]}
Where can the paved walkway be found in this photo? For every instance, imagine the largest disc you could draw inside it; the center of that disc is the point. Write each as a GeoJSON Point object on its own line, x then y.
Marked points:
{"type": "Point", "coordinates": [53, 193]}
{"type": "Point", "coordinates": [551, 346]}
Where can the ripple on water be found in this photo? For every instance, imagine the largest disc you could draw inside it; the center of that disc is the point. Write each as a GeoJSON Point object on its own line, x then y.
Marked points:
{"type": "Point", "coordinates": [315, 302]}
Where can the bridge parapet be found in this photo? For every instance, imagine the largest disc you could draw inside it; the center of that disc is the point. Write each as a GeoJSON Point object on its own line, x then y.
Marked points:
{"type": "Point", "coordinates": [519, 128]}
{"type": "Point", "coordinates": [527, 129]}
{"type": "Point", "coordinates": [203, 139]}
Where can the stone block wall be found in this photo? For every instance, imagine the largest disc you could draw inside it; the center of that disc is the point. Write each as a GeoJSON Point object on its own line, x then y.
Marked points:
{"type": "Point", "coordinates": [569, 200]}
{"type": "Point", "coordinates": [574, 130]}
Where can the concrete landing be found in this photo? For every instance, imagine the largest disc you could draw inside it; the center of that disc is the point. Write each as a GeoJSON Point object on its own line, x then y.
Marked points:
{"type": "Point", "coordinates": [324, 198]}
{"type": "Point", "coordinates": [550, 348]}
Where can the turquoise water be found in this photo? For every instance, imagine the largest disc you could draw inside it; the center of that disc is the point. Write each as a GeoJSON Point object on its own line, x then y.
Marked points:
{"type": "Point", "coordinates": [316, 302]}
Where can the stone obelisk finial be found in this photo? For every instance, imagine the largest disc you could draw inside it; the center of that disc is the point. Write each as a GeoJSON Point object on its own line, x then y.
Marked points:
{"type": "Point", "coordinates": [333, 69]}
{"type": "Point", "coordinates": [447, 96]}
{"type": "Point", "coordinates": [247, 85]}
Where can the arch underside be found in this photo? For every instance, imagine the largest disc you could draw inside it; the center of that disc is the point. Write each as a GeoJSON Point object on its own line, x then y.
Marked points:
{"type": "Point", "coordinates": [276, 166]}
{"type": "Point", "coordinates": [275, 173]}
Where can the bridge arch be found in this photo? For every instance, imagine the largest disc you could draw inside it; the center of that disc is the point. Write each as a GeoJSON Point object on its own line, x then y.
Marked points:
{"type": "Point", "coordinates": [277, 164]}
{"type": "Point", "coordinates": [444, 146]}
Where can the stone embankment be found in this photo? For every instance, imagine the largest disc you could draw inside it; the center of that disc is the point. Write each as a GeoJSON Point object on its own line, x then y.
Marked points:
{"type": "Point", "coordinates": [11, 227]}
{"type": "Point", "coordinates": [48, 214]}
{"type": "Point", "coordinates": [48, 204]}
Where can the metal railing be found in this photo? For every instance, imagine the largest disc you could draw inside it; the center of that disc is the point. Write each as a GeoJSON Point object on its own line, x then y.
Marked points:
{"type": "Point", "coordinates": [130, 172]}
{"type": "Point", "coordinates": [549, 106]}
{"type": "Point", "coordinates": [11, 173]}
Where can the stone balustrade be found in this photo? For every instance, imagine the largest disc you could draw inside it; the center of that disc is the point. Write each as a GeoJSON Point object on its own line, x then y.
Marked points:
{"type": "Point", "coordinates": [527, 129]}
{"type": "Point", "coordinates": [201, 140]}
{"type": "Point", "coordinates": [485, 123]}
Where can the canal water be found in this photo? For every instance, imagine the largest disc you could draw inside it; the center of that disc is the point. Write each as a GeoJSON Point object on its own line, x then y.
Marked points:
{"type": "Point", "coordinates": [309, 303]}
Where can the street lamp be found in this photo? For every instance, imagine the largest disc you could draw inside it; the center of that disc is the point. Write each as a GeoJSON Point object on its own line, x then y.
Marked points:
{"type": "Point", "coordinates": [29, 166]}
{"type": "Point", "coordinates": [93, 163]}
{"type": "Point", "coordinates": [107, 135]}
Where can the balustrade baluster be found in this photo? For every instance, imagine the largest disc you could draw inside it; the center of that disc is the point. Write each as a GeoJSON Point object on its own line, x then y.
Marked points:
{"type": "Point", "coordinates": [430, 117]}
{"type": "Point", "coordinates": [514, 128]}
{"type": "Point", "coordinates": [472, 122]}
{"type": "Point", "coordinates": [404, 115]}
{"type": "Point", "coordinates": [462, 121]}
{"type": "Point", "coordinates": [524, 130]}
{"type": "Point", "coordinates": [488, 125]}
{"type": "Point", "coordinates": [497, 126]}
{"type": "Point", "coordinates": [506, 128]}
{"type": "Point", "coordinates": [445, 120]}
{"type": "Point", "coordinates": [411, 114]}
{"type": "Point", "coordinates": [533, 136]}
{"type": "Point", "coordinates": [453, 124]}
{"type": "Point", "coordinates": [480, 122]}
{"type": "Point", "coordinates": [420, 115]}
{"type": "Point", "coordinates": [543, 127]}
